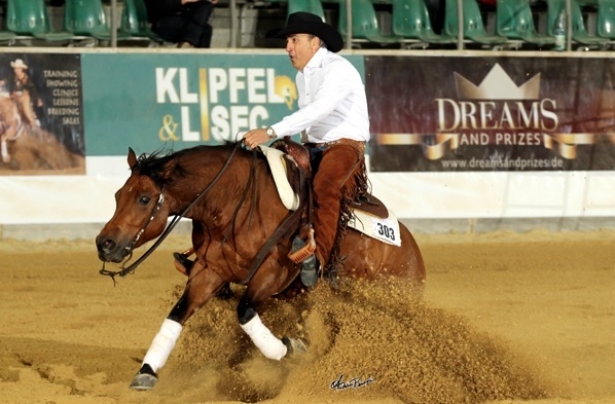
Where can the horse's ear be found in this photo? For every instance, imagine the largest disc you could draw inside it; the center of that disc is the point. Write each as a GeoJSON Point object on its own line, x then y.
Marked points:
{"type": "Point", "coordinates": [132, 158]}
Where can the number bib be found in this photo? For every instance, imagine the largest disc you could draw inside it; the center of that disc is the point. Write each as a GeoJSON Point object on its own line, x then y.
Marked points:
{"type": "Point", "coordinates": [385, 230]}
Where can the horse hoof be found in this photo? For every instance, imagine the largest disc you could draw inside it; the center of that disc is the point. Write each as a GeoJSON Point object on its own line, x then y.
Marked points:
{"type": "Point", "coordinates": [143, 382]}
{"type": "Point", "coordinates": [294, 346]}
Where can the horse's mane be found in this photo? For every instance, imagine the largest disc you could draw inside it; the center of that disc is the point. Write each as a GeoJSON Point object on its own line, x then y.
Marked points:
{"type": "Point", "coordinates": [164, 165]}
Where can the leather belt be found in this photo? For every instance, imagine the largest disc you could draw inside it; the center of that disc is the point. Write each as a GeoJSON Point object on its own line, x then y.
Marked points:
{"type": "Point", "coordinates": [359, 145]}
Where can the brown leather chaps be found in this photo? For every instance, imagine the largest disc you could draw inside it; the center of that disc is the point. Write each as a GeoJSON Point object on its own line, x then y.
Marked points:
{"type": "Point", "coordinates": [339, 179]}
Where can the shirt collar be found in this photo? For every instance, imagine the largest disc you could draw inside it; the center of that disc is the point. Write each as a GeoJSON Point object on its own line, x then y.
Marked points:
{"type": "Point", "coordinates": [315, 62]}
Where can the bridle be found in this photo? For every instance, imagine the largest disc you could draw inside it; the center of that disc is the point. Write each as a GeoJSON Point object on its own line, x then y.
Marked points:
{"type": "Point", "coordinates": [151, 217]}
{"type": "Point", "coordinates": [130, 269]}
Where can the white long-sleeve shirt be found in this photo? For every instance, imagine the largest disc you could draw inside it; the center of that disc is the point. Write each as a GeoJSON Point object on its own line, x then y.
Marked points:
{"type": "Point", "coordinates": [332, 102]}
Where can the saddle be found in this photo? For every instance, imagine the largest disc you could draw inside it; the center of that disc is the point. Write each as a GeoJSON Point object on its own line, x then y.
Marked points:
{"type": "Point", "coordinates": [368, 210]}
{"type": "Point", "coordinates": [299, 174]}
{"type": "Point", "coordinates": [298, 167]}
{"type": "Point", "coordinates": [372, 206]}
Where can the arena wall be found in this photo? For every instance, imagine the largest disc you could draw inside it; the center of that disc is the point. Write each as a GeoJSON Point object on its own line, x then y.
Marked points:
{"type": "Point", "coordinates": [461, 141]}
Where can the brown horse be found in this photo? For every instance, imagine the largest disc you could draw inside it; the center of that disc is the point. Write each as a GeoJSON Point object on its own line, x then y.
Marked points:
{"type": "Point", "coordinates": [10, 123]}
{"type": "Point", "coordinates": [237, 213]}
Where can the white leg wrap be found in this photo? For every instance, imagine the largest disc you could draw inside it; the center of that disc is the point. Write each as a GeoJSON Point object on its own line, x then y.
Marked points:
{"type": "Point", "coordinates": [271, 346]}
{"type": "Point", "coordinates": [163, 344]}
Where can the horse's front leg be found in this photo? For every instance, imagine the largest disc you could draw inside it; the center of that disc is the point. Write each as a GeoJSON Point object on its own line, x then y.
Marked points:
{"type": "Point", "coordinates": [4, 150]}
{"type": "Point", "coordinates": [200, 288]}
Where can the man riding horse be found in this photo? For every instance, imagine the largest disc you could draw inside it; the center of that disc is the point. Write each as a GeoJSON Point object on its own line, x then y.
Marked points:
{"type": "Point", "coordinates": [334, 124]}
{"type": "Point", "coordinates": [25, 94]}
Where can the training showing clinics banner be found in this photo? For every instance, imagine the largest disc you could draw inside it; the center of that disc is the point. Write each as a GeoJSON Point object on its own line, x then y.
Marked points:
{"type": "Point", "coordinates": [491, 113]}
{"type": "Point", "coordinates": [41, 117]}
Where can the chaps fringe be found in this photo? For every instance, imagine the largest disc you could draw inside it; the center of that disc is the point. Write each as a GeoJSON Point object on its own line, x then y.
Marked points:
{"type": "Point", "coordinates": [355, 188]}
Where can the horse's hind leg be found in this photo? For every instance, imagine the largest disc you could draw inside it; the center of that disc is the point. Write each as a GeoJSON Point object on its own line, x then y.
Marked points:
{"type": "Point", "coordinates": [270, 346]}
{"type": "Point", "coordinates": [199, 289]}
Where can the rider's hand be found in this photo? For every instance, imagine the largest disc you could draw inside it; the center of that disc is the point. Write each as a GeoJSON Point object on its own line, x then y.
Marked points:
{"type": "Point", "coordinates": [255, 137]}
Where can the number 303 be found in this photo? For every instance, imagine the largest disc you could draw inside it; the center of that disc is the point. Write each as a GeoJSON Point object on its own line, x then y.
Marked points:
{"type": "Point", "coordinates": [386, 231]}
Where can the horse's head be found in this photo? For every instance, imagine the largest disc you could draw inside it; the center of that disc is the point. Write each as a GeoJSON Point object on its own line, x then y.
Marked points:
{"type": "Point", "coordinates": [140, 215]}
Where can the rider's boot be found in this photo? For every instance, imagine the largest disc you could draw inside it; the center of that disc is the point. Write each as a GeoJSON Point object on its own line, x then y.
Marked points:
{"type": "Point", "coordinates": [182, 263]}
{"type": "Point", "coordinates": [303, 252]}
{"type": "Point", "coordinates": [310, 268]}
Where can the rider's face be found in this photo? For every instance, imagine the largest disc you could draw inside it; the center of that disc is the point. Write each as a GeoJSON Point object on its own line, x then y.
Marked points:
{"type": "Point", "coordinates": [19, 72]}
{"type": "Point", "coordinates": [301, 48]}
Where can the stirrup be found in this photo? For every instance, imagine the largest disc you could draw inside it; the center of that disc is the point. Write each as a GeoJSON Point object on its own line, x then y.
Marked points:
{"type": "Point", "coordinates": [302, 250]}
{"type": "Point", "coordinates": [309, 271]}
{"type": "Point", "coordinates": [183, 262]}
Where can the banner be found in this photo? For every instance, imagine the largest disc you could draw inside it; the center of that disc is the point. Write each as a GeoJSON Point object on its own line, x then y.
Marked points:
{"type": "Point", "coordinates": [457, 136]}
{"type": "Point", "coordinates": [491, 114]}
{"type": "Point", "coordinates": [41, 119]}
{"type": "Point", "coordinates": [172, 102]}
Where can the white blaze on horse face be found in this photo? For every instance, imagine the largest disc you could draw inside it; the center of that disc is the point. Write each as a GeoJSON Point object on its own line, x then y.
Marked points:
{"type": "Point", "coordinates": [163, 344]}
{"type": "Point", "coordinates": [269, 344]}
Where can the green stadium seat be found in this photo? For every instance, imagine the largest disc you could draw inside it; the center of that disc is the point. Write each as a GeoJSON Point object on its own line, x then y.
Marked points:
{"type": "Point", "coordinates": [514, 20]}
{"type": "Point", "coordinates": [410, 20]}
{"type": "Point", "coordinates": [605, 26]}
{"type": "Point", "coordinates": [87, 18]}
{"type": "Point", "coordinates": [473, 26]}
{"type": "Point", "coordinates": [579, 33]}
{"type": "Point", "coordinates": [134, 21]}
{"type": "Point", "coordinates": [30, 18]}
{"type": "Point", "coordinates": [310, 6]}
{"type": "Point", "coordinates": [364, 23]}
{"type": "Point", "coordinates": [7, 36]}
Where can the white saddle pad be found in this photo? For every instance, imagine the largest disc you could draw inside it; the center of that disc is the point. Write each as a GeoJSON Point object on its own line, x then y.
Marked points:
{"type": "Point", "coordinates": [278, 169]}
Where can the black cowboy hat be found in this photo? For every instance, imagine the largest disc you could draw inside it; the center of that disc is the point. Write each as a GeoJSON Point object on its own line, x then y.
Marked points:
{"type": "Point", "coordinates": [308, 23]}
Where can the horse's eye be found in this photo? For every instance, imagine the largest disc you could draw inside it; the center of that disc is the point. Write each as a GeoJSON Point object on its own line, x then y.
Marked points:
{"type": "Point", "coordinates": [144, 200]}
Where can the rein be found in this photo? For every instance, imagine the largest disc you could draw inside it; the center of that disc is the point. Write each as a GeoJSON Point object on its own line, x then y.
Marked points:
{"type": "Point", "coordinates": [130, 269]}
{"type": "Point", "coordinates": [288, 224]}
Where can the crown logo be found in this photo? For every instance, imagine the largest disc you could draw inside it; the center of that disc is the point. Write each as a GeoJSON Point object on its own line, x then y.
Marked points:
{"type": "Point", "coordinates": [497, 85]}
